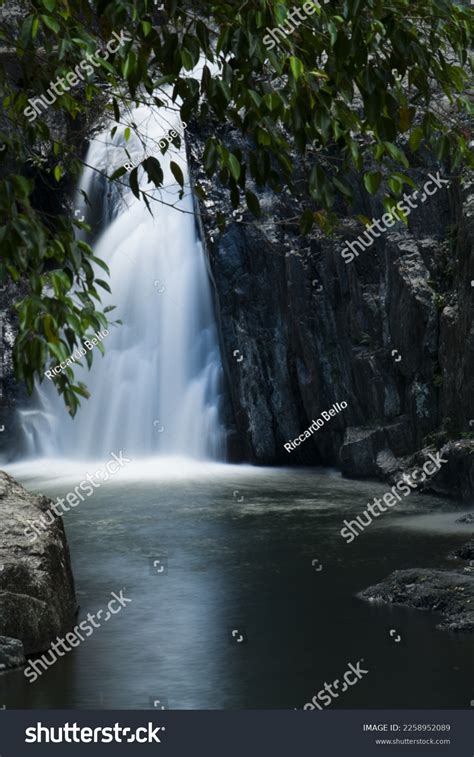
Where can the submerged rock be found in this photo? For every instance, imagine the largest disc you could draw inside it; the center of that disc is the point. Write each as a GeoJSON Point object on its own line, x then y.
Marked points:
{"type": "Point", "coordinates": [37, 599]}
{"type": "Point", "coordinates": [468, 518]}
{"type": "Point", "coordinates": [450, 593]}
{"type": "Point", "coordinates": [466, 552]}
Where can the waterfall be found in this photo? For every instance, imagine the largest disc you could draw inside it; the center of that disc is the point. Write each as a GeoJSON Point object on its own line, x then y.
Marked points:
{"type": "Point", "coordinates": [158, 389]}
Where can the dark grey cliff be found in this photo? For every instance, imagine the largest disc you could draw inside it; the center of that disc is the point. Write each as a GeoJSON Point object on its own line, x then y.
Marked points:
{"type": "Point", "coordinates": [37, 599]}
{"type": "Point", "coordinates": [313, 331]}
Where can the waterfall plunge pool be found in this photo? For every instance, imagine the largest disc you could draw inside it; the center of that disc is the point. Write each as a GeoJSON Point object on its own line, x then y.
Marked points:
{"type": "Point", "coordinates": [240, 545]}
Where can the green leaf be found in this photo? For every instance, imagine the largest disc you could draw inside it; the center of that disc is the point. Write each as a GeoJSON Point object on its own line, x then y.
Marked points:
{"type": "Point", "coordinates": [82, 390]}
{"type": "Point", "coordinates": [234, 166]}
{"type": "Point", "coordinates": [253, 204]}
{"type": "Point", "coordinates": [332, 32]}
{"type": "Point", "coordinates": [255, 97]}
{"type": "Point", "coordinates": [397, 154]}
{"type": "Point", "coordinates": [306, 221]}
{"type": "Point", "coordinates": [187, 59]}
{"type": "Point", "coordinates": [35, 27]}
{"type": "Point", "coordinates": [116, 109]}
{"type": "Point", "coordinates": [134, 183]}
{"type": "Point", "coordinates": [405, 179]}
{"type": "Point", "coordinates": [200, 191]}
{"type": "Point", "coordinates": [281, 13]}
{"type": "Point", "coordinates": [415, 138]}
{"type": "Point", "coordinates": [343, 188]}
{"type": "Point", "coordinates": [118, 173]}
{"type": "Point", "coordinates": [395, 185]}
{"type": "Point", "coordinates": [50, 329]}
{"type": "Point", "coordinates": [154, 171]}
{"type": "Point", "coordinates": [22, 186]}
{"type": "Point", "coordinates": [58, 351]}
{"type": "Point", "coordinates": [406, 117]}
{"type": "Point", "coordinates": [51, 23]}
{"type": "Point", "coordinates": [203, 36]}
{"type": "Point", "coordinates": [100, 263]}
{"type": "Point", "coordinates": [103, 284]}
{"type": "Point", "coordinates": [128, 65]}
{"type": "Point", "coordinates": [210, 157]}
{"type": "Point", "coordinates": [177, 173]}
{"type": "Point", "coordinates": [355, 154]}
{"type": "Point", "coordinates": [297, 67]}
{"type": "Point", "coordinates": [372, 181]}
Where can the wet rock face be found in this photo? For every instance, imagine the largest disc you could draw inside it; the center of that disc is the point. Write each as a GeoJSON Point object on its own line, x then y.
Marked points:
{"type": "Point", "coordinates": [37, 599]}
{"type": "Point", "coordinates": [456, 477]}
{"type": "Point", "coordinates": [390, 332]}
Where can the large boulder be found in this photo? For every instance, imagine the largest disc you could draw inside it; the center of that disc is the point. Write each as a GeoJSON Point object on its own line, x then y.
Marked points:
{"type": "Point", "coordinates": [12, 654]}
{"type": "Point", "coordinates": [37, 599]}
{"type": "Point", "coordinates": [455, 478]}
{"type": "Point", "coordinates": [358, 453]}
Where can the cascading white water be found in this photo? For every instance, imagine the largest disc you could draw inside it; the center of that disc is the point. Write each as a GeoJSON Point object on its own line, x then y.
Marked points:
{"type": "Point", "coordinates": [158, 388]}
